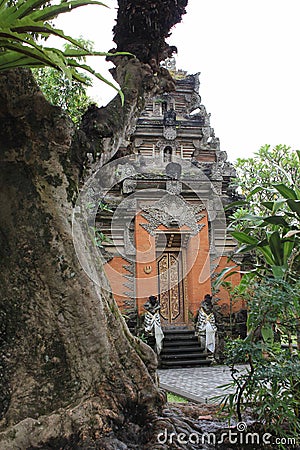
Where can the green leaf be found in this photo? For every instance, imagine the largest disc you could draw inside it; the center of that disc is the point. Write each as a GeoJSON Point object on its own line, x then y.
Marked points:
{"type": "Point", "coordinates": [267, 334]}
{"type": "Point", "coordinates": [255, 191]}
{"type": "Point", "coordinates": [297, 190]}
{"type": "Point", "coordinates": [278, 204]}
{"type": "Point", "coordinates": [276, 247]}
{"type": "Point", "coordinates": [278, 271]}
{"type": "Point", "coordinates": [276, 220]}
{"type": "Point", "coordinates": [234, 204]}
{"type": "Point", "coordinates": [20, 9]}
{"type": "Point", "coordinates": [19, 49]}
{"type": "Point", "coordinates": [267, 253]}
{"type": "Point", "coordinates": [274, 206]}
{"type": "Point", "coordinates": [285, 191]}
{"type": "Point", "coordinates": [246, 280]}
{"type": "Point", "coordinates": [294, 206]}
{"type": "Point", "coordinates": [245, 249]}
{"type": "Point", "coordinates": [268, 205]}
{"type": "Point", "coordinates": [51, 12]}
{"type": "Point", "coordinates": [97, 75]}
{"type": "Point", "coordinates": [12, 58]}
{"type": "Point", "coordinates": [288, 246]}
{"type": "Point", "coordinates": [243, 237]}
{"type": "Point", "coordinates": [251, 218]}
{"type": "Point", "coordinates": [225, 273]}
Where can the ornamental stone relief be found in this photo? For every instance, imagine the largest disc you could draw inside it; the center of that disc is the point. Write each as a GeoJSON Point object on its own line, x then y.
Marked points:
{"type": "Point", "coordinates": [174, 187]}
{"type": "Point", "coordinates": [129, 185]}
{"type": "Point", "coordinates": [130, 283]}
{"type": "Point", "coordinates": [173, 210]}
{"type": "Point", "coordinates": [162, 143]}
{"type": "Point", "coordinates": [128, 242]}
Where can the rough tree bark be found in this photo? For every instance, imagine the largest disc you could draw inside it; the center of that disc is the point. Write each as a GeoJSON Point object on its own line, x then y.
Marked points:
{"type": "Point", "coordinates": [71, 375]}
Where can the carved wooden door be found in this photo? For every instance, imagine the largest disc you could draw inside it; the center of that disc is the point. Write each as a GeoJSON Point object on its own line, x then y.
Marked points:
{"type": "Point", "coordinates": [170, 288]}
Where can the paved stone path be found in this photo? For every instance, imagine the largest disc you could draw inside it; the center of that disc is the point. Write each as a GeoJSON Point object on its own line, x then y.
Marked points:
{"type": "Point", "coordinates": [198, 384]}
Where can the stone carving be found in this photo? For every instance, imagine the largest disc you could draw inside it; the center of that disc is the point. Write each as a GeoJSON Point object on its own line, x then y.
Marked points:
{"type": "Point", "coordinates": [129, 267]}
{"type": "Point", "coordinates": [174, 187]}
{"type": "Point", "coordinates": [172, 209]}
{"type": "Point", "coordinates": [130, 283]}
{"type": "Point", "coordinates": [170, 118]}
{"type": "Point", "coordinates": [196, 144]}
{"type": "Point", "coordinates": [107, 256]}
{"type": "Point", "coordinates": [217, 186]}
{"type": "Point", "coordinates": [205, 115]}
{"type": "Point", "coordinates": [129, 248]}
{"type": "Point", "coordinates": [173, 170]}
{"type": "Point", "coordinates": [221, 157]}
{"type": "Point", "coordinates": [162, 143]}
{"type": "Point", "coordinates": [152, 324]}
{"type": "Point", "coordinates": [138, 142]}
{"type": "Point", "coordinates": [126, 170]}
{"type": "Point", "coordinates": [213, 268]}
{"type": "Point", "coordinates": [206, 325]}
{"type": "Point", "coordinates": [211, 210]}
{"type": "Point", "coordinates": [129, 185]}
{"type": "Point", "coordinates": [229, 170]}
{"type": "Point", "coordinates": [216, 172]}
{"type": "Point", "coordinates": [169, 133]}
{"type": "Point", "coordinates": [206, 135]}
{"type": "Point", "coordinates": [156, 108]}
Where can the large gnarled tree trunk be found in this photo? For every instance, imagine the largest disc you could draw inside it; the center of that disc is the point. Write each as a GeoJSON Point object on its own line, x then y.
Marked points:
{"type": "Point", "coordinates": [70, 373]}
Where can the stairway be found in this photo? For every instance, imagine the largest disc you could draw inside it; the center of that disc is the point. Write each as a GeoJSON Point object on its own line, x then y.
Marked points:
{"type": "Point", "coordinates": [182, 349]}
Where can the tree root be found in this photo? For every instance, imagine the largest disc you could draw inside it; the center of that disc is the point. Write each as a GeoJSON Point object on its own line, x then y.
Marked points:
{"type": "Point", "coordinates": [89, 426]}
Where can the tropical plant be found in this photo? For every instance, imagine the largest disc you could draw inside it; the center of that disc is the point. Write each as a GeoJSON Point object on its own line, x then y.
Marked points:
{"type": "Point", "coordinates": [61, 91]}
{"type": "Point", "coordinates": [269, 384]}
{"type": "Point", "coordinates": [273, 238]}
{"type": "Point", "coordinates": [267, 228]}
{"type": "Point", "coordinates": [278, 165]}
{"type": "Point", "coordinates": [266, 225]}
{"type": "Point", "coordinates": [22, 23]}
{"type": "Point", "coordinates": [99, 238]}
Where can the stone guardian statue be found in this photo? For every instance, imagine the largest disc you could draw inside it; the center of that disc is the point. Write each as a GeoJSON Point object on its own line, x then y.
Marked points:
{"type": "Point", "coordinates": [206, 325]}
{"type": "Point", "coordinates": [152, 324]}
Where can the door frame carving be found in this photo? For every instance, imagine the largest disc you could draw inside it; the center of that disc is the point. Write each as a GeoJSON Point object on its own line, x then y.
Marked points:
{"type": "Point", "coordinates": [181, 250]}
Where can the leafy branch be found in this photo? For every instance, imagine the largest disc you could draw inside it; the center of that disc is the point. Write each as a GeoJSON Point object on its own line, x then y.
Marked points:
{"type": "Point", "coordinates": [23, 22]}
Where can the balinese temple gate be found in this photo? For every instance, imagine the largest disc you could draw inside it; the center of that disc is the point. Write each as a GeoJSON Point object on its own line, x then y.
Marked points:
{"type": "Point", "coordinates": [162, 221]}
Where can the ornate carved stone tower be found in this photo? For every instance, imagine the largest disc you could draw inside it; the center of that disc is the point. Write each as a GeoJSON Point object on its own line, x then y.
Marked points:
{"type": "Point", "coordinates": [167, 226]}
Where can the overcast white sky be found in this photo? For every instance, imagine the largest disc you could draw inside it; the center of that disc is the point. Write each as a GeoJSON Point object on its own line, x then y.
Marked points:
{"type": "Point", "coordinates": [248, 54]}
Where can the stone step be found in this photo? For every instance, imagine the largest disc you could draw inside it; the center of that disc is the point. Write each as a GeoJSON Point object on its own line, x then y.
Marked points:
{"type": "Point", "coordinates": [185, 356]}
{"type": "Point", "coordinates": [185, 363]}
{"type": "Point", "coordinates": [183, 349]}
{"type": "Point", "coordinates": [178, 331]}
{"type": "Point", "coordinates": [175, 337]}
{"type": "Point", "coordinates": [182, 343]}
